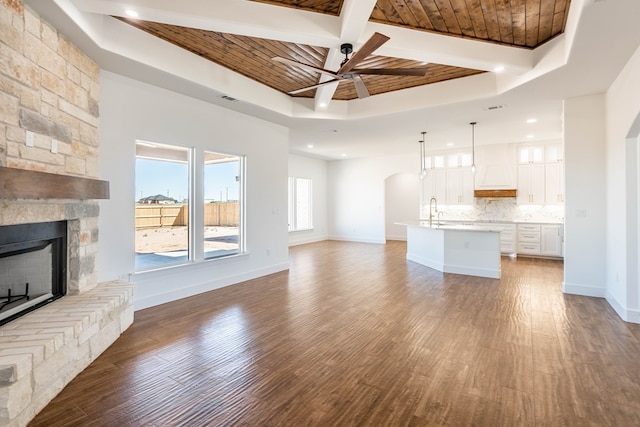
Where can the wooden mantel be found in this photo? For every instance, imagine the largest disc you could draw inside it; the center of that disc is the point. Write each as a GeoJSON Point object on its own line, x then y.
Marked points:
{"type": "Point", "coordinates": [26, 184]}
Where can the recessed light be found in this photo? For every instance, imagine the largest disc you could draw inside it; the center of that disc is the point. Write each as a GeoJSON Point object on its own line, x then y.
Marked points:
{"type": "Point", "coordinates": [450, 144]}
{"type": "Point", "coordinates": [322, 105]}
{"type": "Point", "coordinates": [530, 136]}
{"type": "Point", "coordinates": [499, 68]}
{"type": "Point", "coordinates": [309, 145]}
{"type": "Point", "coordinates": [131, 13]}
{"type": "Point", "coordinates": [532, 120]}
{"type": "Point", "coordinates": [344, 154]}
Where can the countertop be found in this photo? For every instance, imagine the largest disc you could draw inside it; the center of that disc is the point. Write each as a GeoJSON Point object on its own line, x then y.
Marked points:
{"type": "Point", "coordinates": [495, 221]}
{"type": "Point", "coordinates": [448, 225]}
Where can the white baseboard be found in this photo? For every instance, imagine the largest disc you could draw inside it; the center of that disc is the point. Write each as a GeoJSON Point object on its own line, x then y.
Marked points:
{"type": "Point", "coordinates": [436, 265]}
{"type": "Point", "coordinates": [305, 241]}
{"type": "Point", "coordinates": [400, 238]}
{"type": "Point", "coordinates": [455, 269]}
{"type": "Point", "coordinates": [173, 295]}
{"type": "Point", "coordinates": [472, 271]}
{"type": "Point", "coordinates": [357, 240]}
{"type": "Point", "coordinates": [587, 291]}
{"type": "Point", "coordinates": [626, 314]}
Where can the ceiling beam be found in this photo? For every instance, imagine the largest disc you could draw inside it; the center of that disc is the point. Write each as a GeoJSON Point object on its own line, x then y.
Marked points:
{"type": "Point", "coordinates": [241, 17]}
{"type": "Point", "coordinates": [354, 17]}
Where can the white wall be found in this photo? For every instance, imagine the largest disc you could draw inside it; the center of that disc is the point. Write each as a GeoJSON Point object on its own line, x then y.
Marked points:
{"type": "Point", "coordinates": [585, 196]}
{"type": "Point", "coordinates": [357, 196]}
{"type": "Point", "coordinates": [402, 203]}
{"type": "Point", "coordinates": [623, 128]}
{"type": "Point", "coordinates": [316, 169]}
{"type": "Point", "coordinates": [131, 110]}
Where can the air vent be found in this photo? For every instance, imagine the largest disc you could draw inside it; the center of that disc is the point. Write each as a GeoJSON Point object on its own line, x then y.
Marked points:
{"type": "Point", "coordinates": [228, 98]}
{"type": "Point", "coordinates": [495, 107]}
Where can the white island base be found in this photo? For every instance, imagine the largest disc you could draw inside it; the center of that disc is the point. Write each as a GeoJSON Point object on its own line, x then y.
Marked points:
{"type": "Point", "coordinates": [469, 250]}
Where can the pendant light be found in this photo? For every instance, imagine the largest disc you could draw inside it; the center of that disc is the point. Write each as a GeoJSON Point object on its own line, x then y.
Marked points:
{"type": "Point", "coordinates": [423, 164]}
{"type": "Point", "coordinates": [473, 147]}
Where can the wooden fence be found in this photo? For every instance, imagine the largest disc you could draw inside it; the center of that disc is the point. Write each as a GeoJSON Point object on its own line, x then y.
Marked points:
{"type": "Point", "coordinates": [155, 216]}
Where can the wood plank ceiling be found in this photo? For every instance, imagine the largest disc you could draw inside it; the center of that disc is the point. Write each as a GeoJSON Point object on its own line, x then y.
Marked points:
{"type": "Point", "coordinates": [518, 23]}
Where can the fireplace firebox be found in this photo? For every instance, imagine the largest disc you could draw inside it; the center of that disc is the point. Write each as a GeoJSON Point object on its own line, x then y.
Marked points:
{"type": "Point", "coordinates": [33, 267]}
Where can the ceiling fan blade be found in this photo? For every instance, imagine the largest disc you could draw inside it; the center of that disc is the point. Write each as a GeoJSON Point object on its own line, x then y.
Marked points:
{"type": "Point", "coordinates": [374, 42]}
{"type": "Point", "coordinates": [305, 66]}
{"type": "Point", "coordinates": [361, 89]}
{"type": "Point", "coordinates": [294, 92]}
{"type": "Point", "coordinates": [391, 71]}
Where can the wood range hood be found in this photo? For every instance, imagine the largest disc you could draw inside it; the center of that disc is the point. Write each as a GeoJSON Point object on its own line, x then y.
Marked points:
{"type": "Point", "coordinates": [501, 193]}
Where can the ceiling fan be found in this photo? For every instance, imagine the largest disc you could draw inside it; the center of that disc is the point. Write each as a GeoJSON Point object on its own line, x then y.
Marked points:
{"type": "Point", "coordinates": [348, 70]}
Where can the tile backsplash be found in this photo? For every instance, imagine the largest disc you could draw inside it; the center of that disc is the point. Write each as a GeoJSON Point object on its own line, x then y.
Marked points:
{"type": "Point", "coordinates": [488, 209]}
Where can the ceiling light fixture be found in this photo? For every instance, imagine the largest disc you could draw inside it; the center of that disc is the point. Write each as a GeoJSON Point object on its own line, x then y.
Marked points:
{"type": "Point", "coordinates": [499, 68]}
{"type": "Point", "coordinates": [423, 162]}
{"type": "Point", "coordinates": [473, 147]}
{"type": "Point", "coordinates": [309, 145]}
{"type": "Point", "coordinates": [531, 120]}
{"type": "Point", "coordinates": [530, 136]}
{"type": "Point", "coordinates": [131, 13]}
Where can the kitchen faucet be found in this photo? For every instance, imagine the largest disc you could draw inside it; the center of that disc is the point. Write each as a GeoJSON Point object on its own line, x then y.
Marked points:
{"type": "Point", "coordinates": [432, 202]}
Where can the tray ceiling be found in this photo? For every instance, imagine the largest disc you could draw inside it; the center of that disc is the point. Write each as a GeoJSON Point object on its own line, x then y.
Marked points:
{"type": "Point", "coordinates": [519, 23]}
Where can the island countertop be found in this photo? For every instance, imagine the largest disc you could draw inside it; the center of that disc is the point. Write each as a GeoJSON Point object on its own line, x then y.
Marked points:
{"type": "Point", "coordinates": [443, 225]}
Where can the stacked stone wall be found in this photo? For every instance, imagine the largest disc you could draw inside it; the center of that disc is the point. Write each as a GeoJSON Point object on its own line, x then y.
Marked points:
{"type": "Point", "coordinates": [49, 98]}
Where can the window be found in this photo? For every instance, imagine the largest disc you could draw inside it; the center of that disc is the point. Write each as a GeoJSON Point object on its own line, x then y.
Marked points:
{"type": "Point", "coordinates": [170, 198]}
{"type": "Point", "coordinates": [300, 207]}
{"type": "Point", "coordinates": [221, 204]}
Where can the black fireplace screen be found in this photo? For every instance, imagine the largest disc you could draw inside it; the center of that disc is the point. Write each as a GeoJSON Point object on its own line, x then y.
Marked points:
{"type": "Point", "coordinates": [33, 267]}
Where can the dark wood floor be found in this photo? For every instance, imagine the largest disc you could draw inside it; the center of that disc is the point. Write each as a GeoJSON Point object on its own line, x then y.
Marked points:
{"type": "Point", "coordinates": [354, 334]}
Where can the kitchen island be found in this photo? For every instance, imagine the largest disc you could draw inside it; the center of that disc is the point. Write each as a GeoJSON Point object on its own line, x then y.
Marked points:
{"type": "Point", "coordinates": [462, 249]}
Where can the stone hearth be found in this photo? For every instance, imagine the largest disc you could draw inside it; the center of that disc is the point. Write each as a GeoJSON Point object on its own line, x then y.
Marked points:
{"type": "Point", "coordinates": [45, 349]}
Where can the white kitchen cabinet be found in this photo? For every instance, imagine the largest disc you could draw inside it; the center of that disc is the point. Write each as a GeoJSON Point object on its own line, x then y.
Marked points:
{"type": "Point", "coordinates": [554, 183]}
{"type": "Point", "coordinates": [554, 153]}
{"type": "Point", "coordinates": [459, 160]}
{"type": "Point", "coordinates": [459, 189]}
{"type": "Point", "coordinates": [540, 240]}
{"type": "Point", "coordinates": [531, 184]}
{"type": "Point", "coordinates": [531, 154]}
{"type": "Point", "coordinates": [529, 239]}
{"type": "Point", "coordinates": [508, 239]}
{"type": "Point", "coordinates": [435, 185]}
{"type": "Point", "coordinates": [551, 238]}
{"type": "Point", "coordinates": [434, 161]}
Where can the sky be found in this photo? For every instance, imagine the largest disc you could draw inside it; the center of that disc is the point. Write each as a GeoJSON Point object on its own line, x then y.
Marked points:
{"type": "Point", "coordinates": [171, 179]}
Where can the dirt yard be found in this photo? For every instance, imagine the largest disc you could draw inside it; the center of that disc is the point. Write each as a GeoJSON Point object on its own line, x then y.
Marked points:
{"type": "Point", "coordinates": [166, 239]}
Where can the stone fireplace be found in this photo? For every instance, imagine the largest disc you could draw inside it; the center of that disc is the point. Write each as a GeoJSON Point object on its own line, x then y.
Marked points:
{"type": "Point", "coordinates": [49, 169]}
{"type": "Point", "coordinates": [43, 350]}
